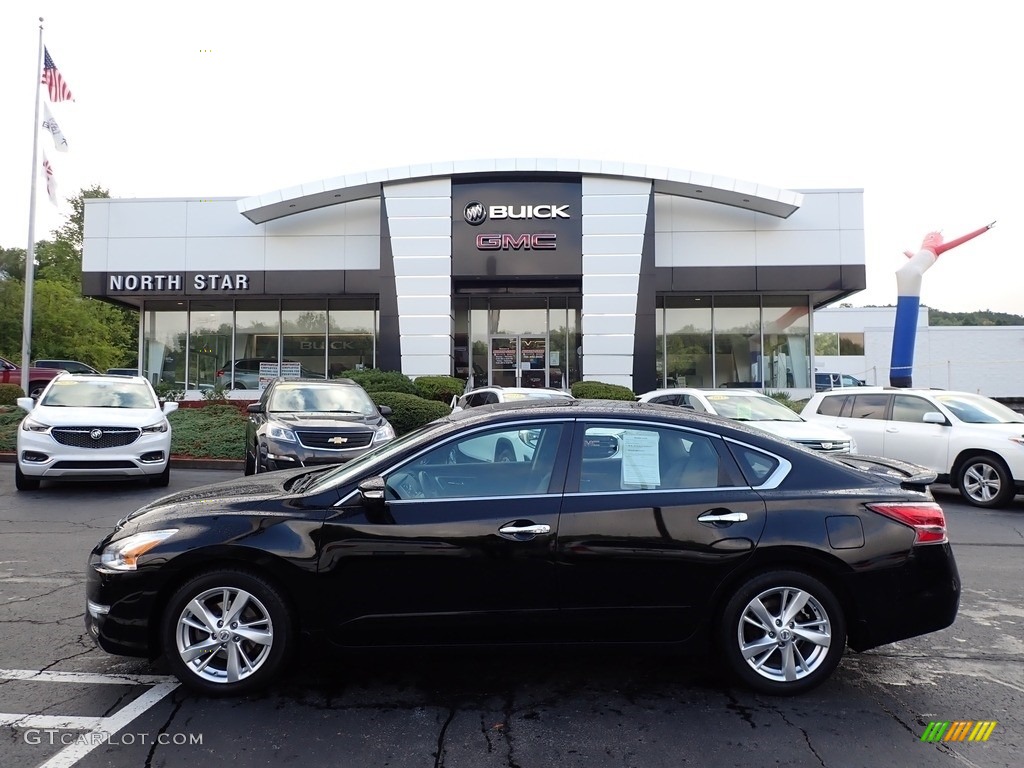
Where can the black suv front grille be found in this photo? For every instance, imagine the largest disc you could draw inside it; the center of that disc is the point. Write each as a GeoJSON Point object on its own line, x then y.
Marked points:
{"type": "Point", "coordinates": [95, 437]}
{"type": "Point", "coordinates": [333, 439]}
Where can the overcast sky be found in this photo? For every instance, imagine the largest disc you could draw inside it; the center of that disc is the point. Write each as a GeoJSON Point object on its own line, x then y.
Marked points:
{"type": "Point", "coordinates": [918, 105]}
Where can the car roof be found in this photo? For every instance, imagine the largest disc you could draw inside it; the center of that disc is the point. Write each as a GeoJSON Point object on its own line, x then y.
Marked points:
{"type": "Point", "coordinates": [520, 390]}
{"type": "Point", "coordinates": [885, 390]}
{"type": "Point", "coordinates": [699, 391]}
{"type": "Point", "coordinates": [308, 380]}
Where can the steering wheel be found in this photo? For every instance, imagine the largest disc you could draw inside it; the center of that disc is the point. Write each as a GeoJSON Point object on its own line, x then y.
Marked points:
{"type": "Point", "coordinates": [406, 485]}
{"type": "Point", "coordinates": [429, 484]}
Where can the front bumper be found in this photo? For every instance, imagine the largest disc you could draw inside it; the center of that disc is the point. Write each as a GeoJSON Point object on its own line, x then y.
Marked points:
{"type": "Point", "coordinates": [119, 610]}
{"type": "Point", "coordinates": [39, 455]}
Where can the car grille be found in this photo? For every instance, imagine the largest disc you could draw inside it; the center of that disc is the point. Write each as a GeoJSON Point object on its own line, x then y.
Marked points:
{"type": "Point", "coordinates": [323, 440]}
{"type": "Point", "coordinates": [94, 465]}
{"type": "Point", "coordinates": [826, 446]}
{"type": "Point", "coordinates": [82, 437]}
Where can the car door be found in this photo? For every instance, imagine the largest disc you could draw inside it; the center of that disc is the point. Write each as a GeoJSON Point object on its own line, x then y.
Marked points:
{"type": "Point", "coordinates": [910, 438]}
{"type": "Point", "coordinates": [461, 549]}
{"type": "Point", "coordinates": [654, 518]}
{"type": "Point", "coordinates": [864, 417]}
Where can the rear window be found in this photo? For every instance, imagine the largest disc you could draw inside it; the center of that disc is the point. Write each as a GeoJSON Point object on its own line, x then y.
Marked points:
{"type": "Point", "coordinates": [831, 406]}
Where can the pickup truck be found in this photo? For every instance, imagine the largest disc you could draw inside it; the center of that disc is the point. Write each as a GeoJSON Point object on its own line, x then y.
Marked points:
{"type": "Point", "coordinates": [38, 378]}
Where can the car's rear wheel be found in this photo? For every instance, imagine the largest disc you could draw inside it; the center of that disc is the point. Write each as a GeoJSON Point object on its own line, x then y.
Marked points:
{"type": "Point", "coordinates": [783, 633]}
{"type": "Point", "coordinates": [24, 482]}
{"type": "Point", "coordinates": [227, 632]}
{"type": "Point", "coordinates": [163, 479]}
{"type": "Point", "coordinates": [984, 481]}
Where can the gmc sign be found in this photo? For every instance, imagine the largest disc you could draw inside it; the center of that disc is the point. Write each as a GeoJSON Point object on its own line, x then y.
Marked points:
{"type": "Point", "coordinates": [541, 241]}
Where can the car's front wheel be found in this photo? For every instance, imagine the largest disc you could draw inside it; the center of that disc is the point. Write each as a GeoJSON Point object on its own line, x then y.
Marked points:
{"type": "Point", "coordinates": [783, 633]}
{"type": "Point", "coordinates": [163, 479]}
{"type": "Point", "coordinates": [227, 632]}
{"type": "Point", "coordinates": [250, 462]}
{"type": "Point", "coordinates": [24, 482]}
{"type": "Point", "coordinates": [984, 481]}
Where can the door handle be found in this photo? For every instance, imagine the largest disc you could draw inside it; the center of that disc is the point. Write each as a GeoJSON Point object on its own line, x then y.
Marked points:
{"type": "Point", "coordinates": [534, 530]}
{"type": "Point", "coordinates": [727, 517]}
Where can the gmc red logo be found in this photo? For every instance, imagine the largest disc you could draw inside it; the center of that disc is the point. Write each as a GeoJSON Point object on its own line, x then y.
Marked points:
{"type": "Point", "coordinates": [545, 241]}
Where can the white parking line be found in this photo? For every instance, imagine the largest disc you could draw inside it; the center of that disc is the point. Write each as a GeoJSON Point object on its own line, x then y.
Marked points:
{"type": "Point", "coordinates": [108, 726]}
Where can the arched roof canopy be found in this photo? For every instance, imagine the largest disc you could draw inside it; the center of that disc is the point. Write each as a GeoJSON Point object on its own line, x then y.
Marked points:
{"type": "Point", "coordinates": [358, 186]}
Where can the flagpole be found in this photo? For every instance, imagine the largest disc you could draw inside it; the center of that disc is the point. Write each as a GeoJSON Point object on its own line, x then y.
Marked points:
{"type": "Point", "coordinates": [30, 252]}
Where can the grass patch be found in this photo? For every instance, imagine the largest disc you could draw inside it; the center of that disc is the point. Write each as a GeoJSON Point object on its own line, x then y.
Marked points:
{"type": "Point", "coordinates": [213, 432]}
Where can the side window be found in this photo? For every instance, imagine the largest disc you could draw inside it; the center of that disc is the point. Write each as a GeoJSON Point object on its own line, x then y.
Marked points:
{"type": "Point", "coordinates": [690, 401]}
{"type": "Point", "coordinates": [831, 406]}
{"type": "Point", "coordinates": [633, 458]}
{"type": "Point", "coordinates": [910, 408]}
{"type": "Point", "coordinates": [869, 406]}
{"type": "Point", "coordinates": [490, 397]}
{"type": "Point", "coordinates": [510, 461]}
{"type": "Point", "coordinates": [664, 400]}
{"type": "Point", "coordinates": [757, 467]}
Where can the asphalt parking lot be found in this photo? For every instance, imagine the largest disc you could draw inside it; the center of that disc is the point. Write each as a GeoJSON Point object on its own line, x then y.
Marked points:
{"type": "Point", "coordinates": [65, 703]}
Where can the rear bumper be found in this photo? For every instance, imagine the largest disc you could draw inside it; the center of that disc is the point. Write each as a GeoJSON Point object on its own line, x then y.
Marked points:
{"type": "Point", "coordinates": [920, 596]}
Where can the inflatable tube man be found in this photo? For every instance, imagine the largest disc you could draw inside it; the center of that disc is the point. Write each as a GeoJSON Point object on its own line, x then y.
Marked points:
{"type": "Point", "coordinates": [908, 284]}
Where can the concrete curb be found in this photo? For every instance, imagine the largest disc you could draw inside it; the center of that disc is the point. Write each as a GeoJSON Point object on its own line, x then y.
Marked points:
{"type": "Point", "coordinates": [177, 462]}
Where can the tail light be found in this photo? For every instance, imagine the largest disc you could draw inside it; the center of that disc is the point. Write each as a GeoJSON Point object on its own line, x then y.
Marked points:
{"type": "Point", "coordinates": [926, 518]}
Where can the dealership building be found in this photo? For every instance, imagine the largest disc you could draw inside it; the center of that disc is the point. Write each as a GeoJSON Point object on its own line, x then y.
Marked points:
{"type": "Point", "coordinates": [525, 271]}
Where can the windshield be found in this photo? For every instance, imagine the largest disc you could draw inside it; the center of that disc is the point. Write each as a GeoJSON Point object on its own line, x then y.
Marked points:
{"type": "Point", "coordinates": [72, 393]}
{"type": "Point", "coordinates": [321, 398]}
{"type": "Point", "coordinates": [978, 409]}
{"type": "Point", "coordinates": [751, 408]}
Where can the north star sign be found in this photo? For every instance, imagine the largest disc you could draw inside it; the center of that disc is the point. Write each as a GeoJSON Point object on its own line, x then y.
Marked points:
{"type": "Point", "coordinates": [178, 282]}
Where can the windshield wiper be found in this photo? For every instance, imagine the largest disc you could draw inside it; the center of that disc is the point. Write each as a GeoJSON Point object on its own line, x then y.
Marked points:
{"type": "Point", "coordinates": [303, 482]}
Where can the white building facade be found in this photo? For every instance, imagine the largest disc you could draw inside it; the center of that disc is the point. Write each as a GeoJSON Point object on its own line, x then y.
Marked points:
{"type": "Point", "coordinates": [526, 271]}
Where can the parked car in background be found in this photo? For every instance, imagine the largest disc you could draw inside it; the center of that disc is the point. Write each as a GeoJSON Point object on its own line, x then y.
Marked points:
{"type": "Point", "coordinates": [72, 366]}
{"type": "Point", "coordinates": [488, 395]}
{"type": "Point", "coordinates": [826, 381]}
{"type": "Point", "coordinates": [758, 410]}
{"type": "Point", "coordinates": [629, 524]}
{"type": "Point", "coordinates": [305, 422]}
{"type": "Point", "coordinates": [245, 373]}
{"type": "Point", "coordinates": [122, 371]}
{"type": "Point", "coordinates": [38, 378]}
{"type": "Point", "coordinates": [973, 442]}
{"type": "Point", "coordinates": [87, 426]}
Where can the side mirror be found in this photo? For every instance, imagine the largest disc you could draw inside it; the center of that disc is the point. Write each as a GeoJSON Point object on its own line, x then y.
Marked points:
{"type": "Point", "coordinates": [385, 410]}
{"type": "Point", "coordinates": [372, 491]}
{"type": "Point", "coordinates": [170, 407]}
{"type": "Point", "coordinates": [934, 417]}
{"type": "Point", "coordinates": [26, 403]}
{"type": "Point", "coordinates": [254, 408]}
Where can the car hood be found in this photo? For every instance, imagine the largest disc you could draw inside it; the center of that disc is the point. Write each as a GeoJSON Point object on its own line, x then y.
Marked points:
{"type": "Point", "coordinates": [801, 430]}
{"type": "Point", "coordinates": [90, 417]}
{"type": "Point", "coordinates": [321, 419]}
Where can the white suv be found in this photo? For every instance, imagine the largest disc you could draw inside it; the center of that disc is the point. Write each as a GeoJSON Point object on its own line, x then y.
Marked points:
{"type": "Point", "coordinates": [973, 442]}
{"type": "Point", "coordinates": [489, 395]}
{"type": "Point", "coordinates": [88, 425]}
{"type": "Point", "coordinates": [757, 410]}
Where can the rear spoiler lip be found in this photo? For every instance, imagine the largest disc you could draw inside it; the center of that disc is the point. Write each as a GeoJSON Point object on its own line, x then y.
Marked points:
{"type": "Point", "coordinates": [916, 477]}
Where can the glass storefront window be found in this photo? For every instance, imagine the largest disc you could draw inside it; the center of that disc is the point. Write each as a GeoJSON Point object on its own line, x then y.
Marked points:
{"type": "Point", "coordinates": [165, 329]}
{"type": "Point", "coordinates": [304, 334]}
{"type": "Point", "coordinates": [787, 358]}
{"type": "Point", "coordinates": [209, 347]}
{"type": "Point", "coordinates": [685, 360]}
{"type": "Point", "coordinates": [738, 342]}
{"type": "Point", "coordinates": [257, 338]}
{"type": "Point", "coordinates": [352, 335]}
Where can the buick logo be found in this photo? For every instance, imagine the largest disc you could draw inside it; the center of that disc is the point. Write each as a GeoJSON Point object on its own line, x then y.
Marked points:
{"type": "Point", "coordinates": [96, 434]}
{"type": "Point", "coordinates": [475, 213]}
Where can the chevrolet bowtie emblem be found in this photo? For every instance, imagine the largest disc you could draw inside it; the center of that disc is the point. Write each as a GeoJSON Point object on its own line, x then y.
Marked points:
{"type": "Point", "coordinates": [338, 440]}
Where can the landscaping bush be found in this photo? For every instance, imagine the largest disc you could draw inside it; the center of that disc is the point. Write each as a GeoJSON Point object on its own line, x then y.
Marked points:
{"type": "Point", "coordinates": [213, 432]}
{"type": "Point", "coordinates": [9, 421]}
{"type": "Point", "coordinates": [440, 388]}
{"type": "Point", "coordinates": [9, 394]}
{"type": "Point", "coordinates": [373, 380]}
{"type": "Point", "coordinates": [598, 390]}
{"type": "Point", "coordinates": [784, 397]}
{"type": "Point", "coordinates": [409, 412]}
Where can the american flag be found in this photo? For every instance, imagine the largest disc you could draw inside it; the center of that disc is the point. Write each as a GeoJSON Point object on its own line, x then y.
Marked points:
{"type": "Point", "coordinates": [59, 90]}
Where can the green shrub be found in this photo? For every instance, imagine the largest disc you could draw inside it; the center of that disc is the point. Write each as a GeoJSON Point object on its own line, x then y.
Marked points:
{"type": "Point", "coordinates": [373, 380]}
{"type": "Point", "coordinates": [9, 422]}
{"type": "Point", "coordinates": [409, 412]}
{"type": "Point", "coordinates": [166, 390]}
{"type": "Point", "coordinates": [599, 390]}
{"type": "Point", "coordinates": [440, 388]}
{"type": "Point", "coordinates": [212, 432]}
{"type": "Point", "coordinates": [9, 394]}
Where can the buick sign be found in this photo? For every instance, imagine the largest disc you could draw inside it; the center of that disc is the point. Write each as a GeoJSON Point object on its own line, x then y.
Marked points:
{"type": "Point", "coordinates": [475, 213]}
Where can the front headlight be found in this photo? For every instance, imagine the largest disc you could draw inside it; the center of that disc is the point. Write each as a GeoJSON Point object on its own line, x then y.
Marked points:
{"type": "Point", "coordinates": [124, 555]}
{"type": "Point", "coordinates": [160, 426]}
{"type": "Point", "coordinates": [31, 425]}
{"type": "Point", "coordinates": [384, 434]}
{"type": "Point", "coordinates": [283, 434]}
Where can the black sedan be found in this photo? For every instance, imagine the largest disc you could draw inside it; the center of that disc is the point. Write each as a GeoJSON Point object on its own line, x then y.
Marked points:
{"type": "Point", "coordinates": [620, 522]}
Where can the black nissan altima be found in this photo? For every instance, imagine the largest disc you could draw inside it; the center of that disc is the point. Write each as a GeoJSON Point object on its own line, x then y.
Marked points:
{"type": "Point", "coordinates": [618, 522]}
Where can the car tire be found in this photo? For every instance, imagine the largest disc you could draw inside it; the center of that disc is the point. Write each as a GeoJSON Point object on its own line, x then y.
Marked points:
{"type": "Point", "coordinates": [163, 479]}
{"type": "Point", "coordinates": [206, 660]}
{"type": "Point", "coordinates": [24, 482]}
{"type": "Point", "coordinates": [984, 481]}
{"type": "Point", "coordinates": [504, 453]}
{"type": "Point", "coordinates": [250, 462]}
{"type": "Point", "coordinates": [773, 650]}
